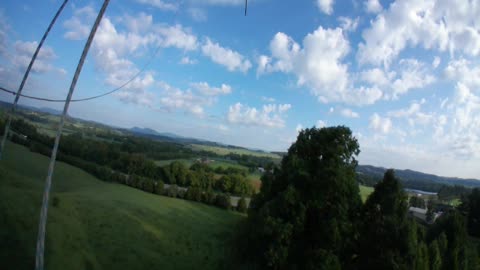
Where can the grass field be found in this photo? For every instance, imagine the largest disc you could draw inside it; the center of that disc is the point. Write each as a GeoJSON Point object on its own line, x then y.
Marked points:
{"type": "Point", "coordinates": [365, 192]}
{"type": "Point", "coordinates": [226, 150]}
{"type": "Point", "coordinates": [97, 225]}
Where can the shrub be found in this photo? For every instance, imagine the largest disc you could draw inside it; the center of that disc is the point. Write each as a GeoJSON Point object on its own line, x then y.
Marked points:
{"type": "Point", "coordinates": [242, 205]}
{"type": "Point", "coordinates": [222, 201]}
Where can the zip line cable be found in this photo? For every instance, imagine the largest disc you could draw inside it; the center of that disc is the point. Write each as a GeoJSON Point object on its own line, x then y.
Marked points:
{"type": "Point", "coordinates": [92, 97]}
{"type": "Point", "coordinates": [25, 76]}
{"type": "Point", "coordinates": [39, 256]}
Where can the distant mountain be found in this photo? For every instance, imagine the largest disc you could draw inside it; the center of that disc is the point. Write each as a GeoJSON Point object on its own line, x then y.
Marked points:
{"type": "Point", "coordinates": [414, 179]}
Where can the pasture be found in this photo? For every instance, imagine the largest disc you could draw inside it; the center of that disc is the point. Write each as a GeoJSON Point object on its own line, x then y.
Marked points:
{"type": "Point", "coordinates": [98, 225]}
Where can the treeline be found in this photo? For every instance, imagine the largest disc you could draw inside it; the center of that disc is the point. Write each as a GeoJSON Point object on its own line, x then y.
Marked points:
{"type": "Point", "coordinates": [114, 162]}
{"type": "Point", "coordinates": [309, 215]}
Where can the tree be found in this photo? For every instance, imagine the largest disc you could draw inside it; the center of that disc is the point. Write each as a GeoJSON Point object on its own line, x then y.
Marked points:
{"type": "Point", "coordinates": [430, 216]}
{"type": "Point", "coordinates": [434, 256]}
{"type": "Point", "coordinates": [472, 207]}
{"type": "Point", "coordinates": [159, 187]}
{"type": "Point", "coordinates": [193, 194]}
{"type": "Point", "coordinates": [222, 201]}
{"type": "Point", "coordinates": [416, 202]}
{"type": "Point", "coordinates": [242, 205]}
{"type": "Point", "coordinates": [305, 213]}
{"type": "Point", "coordinates": [385, 223]}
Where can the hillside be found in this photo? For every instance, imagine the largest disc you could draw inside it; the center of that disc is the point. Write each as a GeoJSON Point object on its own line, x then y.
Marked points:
{"type": "Point", "coordinates": [97, 225]}
{"type": "Point", "coordinates": [414, 179]}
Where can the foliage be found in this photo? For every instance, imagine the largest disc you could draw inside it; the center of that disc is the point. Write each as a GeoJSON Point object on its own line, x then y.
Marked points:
{"type": "Point", "coordinates": [242, 205]}
{"type": "Point", "coordinates": [304, 214]}
{"type": "Point", "coordinates": [416, 201]}
{"type": "Point", "coordinates": [386, 224]}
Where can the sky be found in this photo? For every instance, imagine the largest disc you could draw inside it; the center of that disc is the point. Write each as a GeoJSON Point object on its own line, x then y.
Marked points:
{"type": "Point", "coordinates": [404, 75]}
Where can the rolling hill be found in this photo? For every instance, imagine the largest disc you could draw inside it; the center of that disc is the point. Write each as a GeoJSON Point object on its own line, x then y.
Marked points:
{"type": "Point", "coordinates": [98, 225]}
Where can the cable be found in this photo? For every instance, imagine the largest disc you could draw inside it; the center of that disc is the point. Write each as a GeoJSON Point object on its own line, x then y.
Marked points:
{"type": "Point", "coordinates": [92, 97]}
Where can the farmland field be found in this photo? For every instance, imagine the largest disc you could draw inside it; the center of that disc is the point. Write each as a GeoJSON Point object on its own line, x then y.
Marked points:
{"type": "Point", "coordinates": [227, 150]}
{"type": "Point", "coordinates": [98, 225]}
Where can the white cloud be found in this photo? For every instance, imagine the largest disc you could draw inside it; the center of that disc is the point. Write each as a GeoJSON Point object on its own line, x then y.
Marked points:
{"type": "Point", "coordinates": [79, 25]}
{"type": "Point", "coordinates": [270, 116]}
{"type": "Point", "coordinates": [140, 23]}
{"type": "Point", "coordinates": [349, 113]}
{"type": "Point", "coordinates": [325, 6]}
{"type": "Point", "coordinates": [413, 115]}
{"type": "Point", "coordinates": [410, 74]}
{"type": "Point", "coordinates": [208, 90]}
{"type": "Point", "coordinates": [284, 107]}
{"type": "Point", "coordinates": [173, 99]}
{"type": "Point", "coordinates": [160, 4]}
{"type": "Point", "coordinates": [4, 27]}
{"type": "Point", "coordinates": [233, 60]}
{"type": "Point", "coordinates": [376, 76]}
{"type": "Point", "coordinates": [197, 14]}
{"type": "Point", "coordinates": [268, 99]}
{"type": "Point", "coordinates": [446, 25]}
{"type": "Point", "coordinates": [348, 24]}
{"type": "Point", "coordinates": [299, 128]}
{"type": "Point", "coordinates": [114, 45]}
{"type": "Point", "coordinates": [380, 124]}
{"type": "Point", "coordinates": [436, 62]}
{"type": "Point", "coordinates": [219, 2]}
{"type": "Point", "coordinates": [23, 54]}
{"type": "Point", "coordinates": [177, 36]}
{"type": "Point", "coordinates": [463, 70]}
{"type": "Point", "coordinates": [373, 6]}
{"type": "Point", "coordinates": [413, 75]}
{"type": "Point", "coordinates": [321, 124]}
{"type": "Point", "coordinates": [188, 61]}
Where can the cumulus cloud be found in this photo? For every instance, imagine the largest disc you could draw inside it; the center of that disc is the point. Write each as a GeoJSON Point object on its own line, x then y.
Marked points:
{"type": "Point", "coordinates": [270, 116]}
{"type": "Point", "coordinates": [348, 24]}
{"type": "Point", "coordinates": [442, 26]}
{"type": "Point", "coordinates": [219, 2]}
{"type": "Point", "coordinates": [464, 71]}
{"type": "Point", "coordinates": [349, 113]}
{"type": "Point", "coordinates": [197, 14]}
{"type": "Point", "coordinates": [380, 124]}
{"type": "Point", "coordinates": [160, 4]}
{"type": "Point", "coordinates": [24, 51]}
{"type": "Point", "coordinates": [268, 99]}
{"type": "Point", "coordinates": [208, 90]}
{"type": "Point", "coordinates": [325, 6]}
{"type": "Point", "coordinates": [188, 61]}
{"type": "Point", "coordinates": [413, 115]}
{"type": "Point", "coordinates": [113, 45]}
{"type": "Point", "coordinates": [233, 60]}
{"type": "Point", "coordinates": [373, 6]}
{"type": "Point", "coordinates": [409, 74]}
{"type": "Point", "coordinates": [321, 124]}
{"type": "Point", "coordinates": [79, 25]}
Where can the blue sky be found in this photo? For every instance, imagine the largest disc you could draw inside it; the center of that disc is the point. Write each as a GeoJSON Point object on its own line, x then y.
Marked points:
{"type": "Point", "coordinates": [404, 75]}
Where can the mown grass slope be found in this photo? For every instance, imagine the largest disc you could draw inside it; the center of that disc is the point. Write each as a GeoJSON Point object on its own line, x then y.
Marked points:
{"type": "Point", "coordinates": [98, 225]}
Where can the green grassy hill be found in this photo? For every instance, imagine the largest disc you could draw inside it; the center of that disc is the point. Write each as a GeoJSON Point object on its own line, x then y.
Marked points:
{"type": "Point", "coordinates": [97, 225]}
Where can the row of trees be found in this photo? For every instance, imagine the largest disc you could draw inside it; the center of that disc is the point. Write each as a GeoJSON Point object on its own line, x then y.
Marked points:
{"type": "Point", "coordinates": [308, 215]}
{"type": "Point", "coordinates": [139, 172]}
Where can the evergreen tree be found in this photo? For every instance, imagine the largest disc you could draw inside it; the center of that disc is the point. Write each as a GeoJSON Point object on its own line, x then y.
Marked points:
{"type": "Point", "coordinates": [385, 223]}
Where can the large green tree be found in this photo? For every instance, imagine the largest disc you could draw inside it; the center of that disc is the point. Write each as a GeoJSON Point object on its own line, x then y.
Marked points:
{"type": "Point", "coordinates": [304, 216]}
{"type": "Point", "coordinates": [388, 238]}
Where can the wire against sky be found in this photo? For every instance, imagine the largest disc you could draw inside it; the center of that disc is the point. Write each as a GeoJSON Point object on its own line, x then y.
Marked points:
{"type": "Point", "coordinates": [25, 76]}
{"type": "Point", "coordinates": [147, 64]}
